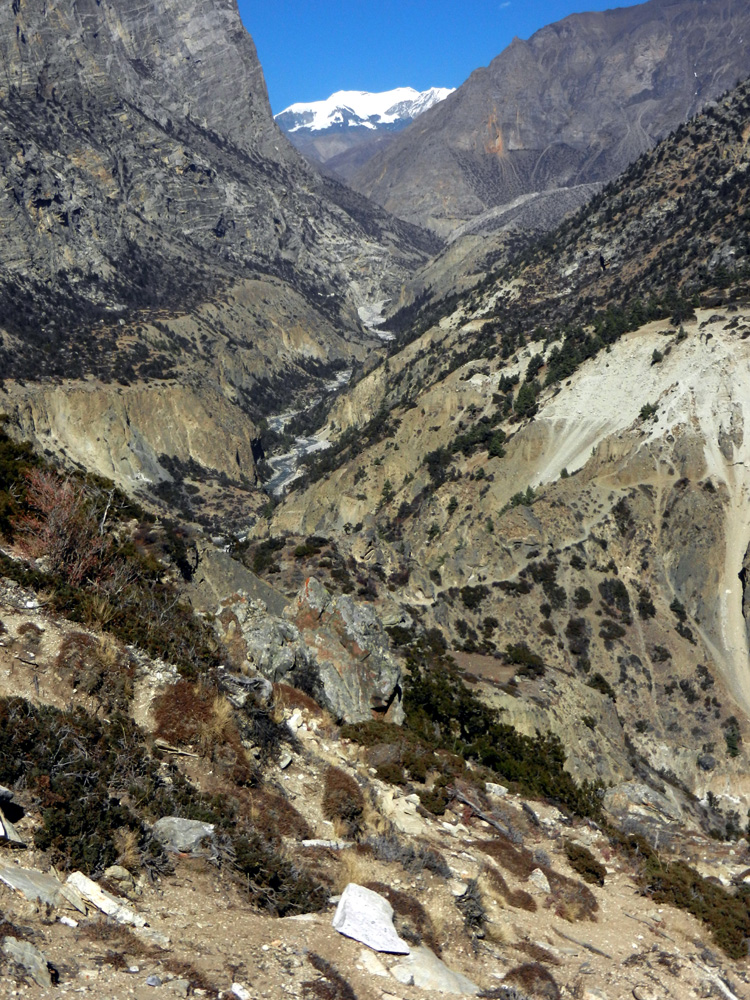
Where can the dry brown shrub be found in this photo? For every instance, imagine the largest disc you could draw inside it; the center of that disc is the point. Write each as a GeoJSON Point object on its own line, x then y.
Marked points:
{"type": "Point", "coordinates": [498, 887]}
{"type": "Point", "coordinates": [99, 667]}
{"type": "Point", "coordinates": [275, 817]}
{"type": "Point", "coordinates": [291, 697]}
{"type": "Point", "coordinates": [330, 985]}
{"type": "Point", "coordinates": [519, 861]}
{"type": "Point", "coordinates": [571, 899]}
{"type": "Point", "coordinates": [535, 980]}
{"type": "Point", "coordinates": [343, 801]}
{"type": "Point", "coordinates": [195, 715]}
{"type": "Point", "coordinates": [60, 525]}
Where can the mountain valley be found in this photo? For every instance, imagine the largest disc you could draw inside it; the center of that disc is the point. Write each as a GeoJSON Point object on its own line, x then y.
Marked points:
{"type": "Point", "coordinates": [352, 552]}
{"type": "Point", "coordinates": [344, 131]}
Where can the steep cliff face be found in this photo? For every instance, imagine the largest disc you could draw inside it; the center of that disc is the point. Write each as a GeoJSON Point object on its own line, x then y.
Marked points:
{"type": "Point", "coordinates": [142, 170]}
{"type": "Point", "coordinates": [574, 104]}
{"type": "Point", "coordinates": [158, 227]}
{"type": "Point", "coordinates": [180, 60]}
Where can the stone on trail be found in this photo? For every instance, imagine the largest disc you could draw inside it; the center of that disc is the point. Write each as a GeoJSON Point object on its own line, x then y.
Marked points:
{"type": "Point", "coordinates": [367, 917]}
{"type": "Point", "coordinates": [372, 964]}
{"type": "Point", "coordinates": [28, 960]}
{"type": "Point", "coordinates": [425, 970]}
{"type": "Point", "coordinates": [104, 901]}
{"type": "Point", "coordinates": [185, 836]}
{"type": "Point", "coordinates": [9, 833]}
{"type": "Point", "coordinates": [35, 885]}
{"type": "Point", "coordinates": [540, 881]}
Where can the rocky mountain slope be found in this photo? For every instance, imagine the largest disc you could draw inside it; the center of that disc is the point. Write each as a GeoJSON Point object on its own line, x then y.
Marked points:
{"type": "Point", "coordinates": [550, 472]}
{"type": "Point", "coordinates": [159, 229]}
{"type": "Point", "coordinates": [224, 825]}
{"type": "Point", "coordinates": [347, 128]}
{"type": "Point", "coordinates": [575, 104]}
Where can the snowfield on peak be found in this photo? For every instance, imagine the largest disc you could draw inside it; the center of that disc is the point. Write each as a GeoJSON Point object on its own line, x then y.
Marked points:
{"type": "Point", "coordinates": [359, 108]}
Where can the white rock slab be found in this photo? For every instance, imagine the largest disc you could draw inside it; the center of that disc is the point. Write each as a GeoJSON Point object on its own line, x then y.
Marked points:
{"type": "Point", "coordinates": [424, 969]}
{"type": "Point", "coordinates": [104, 901]}
{"type": "Point", "coordinates": [372, 964]}
{"type": "Point", "coordinates": [367, 917]}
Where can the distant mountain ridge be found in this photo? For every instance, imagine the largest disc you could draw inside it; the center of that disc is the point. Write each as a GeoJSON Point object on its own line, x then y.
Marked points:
{"type": "Point", "coordinates": [574, 104]}
{"type": "Point", "coordinates": [354, 120]}
{"type": "Point", "coordinates": [392, 109]}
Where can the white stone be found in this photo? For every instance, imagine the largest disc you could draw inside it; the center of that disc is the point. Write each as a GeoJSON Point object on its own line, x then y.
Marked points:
{"type": "Point", "coordinates": [540, 880]}
{"type": "Point", "coordinates": [104, 901]}
{"type": "Point", "coordinates": [367, 917]}
{"type": "Point", "coordinates": [295, 720]}
{"type": "Point", "coordinates": [425, 970]}
{"type": "Point", "coordinates": [240, 992]}
{"type": "Point", "coordinates": [499, 791]}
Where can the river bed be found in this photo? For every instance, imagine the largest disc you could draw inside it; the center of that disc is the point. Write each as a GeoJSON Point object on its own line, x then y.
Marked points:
{"type": "Point", "coordinates": [285, 467]}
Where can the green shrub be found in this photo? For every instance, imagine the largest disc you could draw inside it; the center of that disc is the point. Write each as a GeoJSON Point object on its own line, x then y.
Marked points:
{"type": "Point", "coordinates": [443, 712]}
{"type": "Point", "coordinates": [275, 883]}
{"type": "Point", "coordinates": [472, 597]}
{"type": "Point", "coordinates": [583, 861]}
{"type": "Point", "coordinates": [581, 597]}
{"type": "Point", "coordinates": [600, 683]}
{"type": "Point", "coordinates": [675, 883]}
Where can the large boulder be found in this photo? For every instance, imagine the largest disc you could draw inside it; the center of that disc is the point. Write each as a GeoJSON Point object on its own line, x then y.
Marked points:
{"type": "Point", "coordinates": [367, 917]}
{"type": "Point", "coordinates": [331, 647]}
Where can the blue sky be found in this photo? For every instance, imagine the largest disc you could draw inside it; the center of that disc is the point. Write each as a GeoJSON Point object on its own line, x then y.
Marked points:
{"type": "Point", "coordinates": [311, 49]}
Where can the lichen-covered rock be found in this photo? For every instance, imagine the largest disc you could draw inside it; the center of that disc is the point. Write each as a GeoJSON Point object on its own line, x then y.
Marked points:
{"type": "Point", "coordinates": [331, 647]}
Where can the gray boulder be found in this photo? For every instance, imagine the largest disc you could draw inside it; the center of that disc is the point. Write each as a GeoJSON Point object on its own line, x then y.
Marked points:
{"type": "Point", "coordinates": [424, 969]}
{"type": "Point", "coordinates": [26, 960]}
{"type": "Point", "coordinates": [185, 836]}
{"type": "Point", "coordinates": [332, 647]}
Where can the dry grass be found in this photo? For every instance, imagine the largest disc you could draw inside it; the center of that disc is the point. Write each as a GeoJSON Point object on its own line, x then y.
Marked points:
{"type": "Point", "coordinates": [128, 853]}
{"type": "Point", "coordinates": [354, 866]}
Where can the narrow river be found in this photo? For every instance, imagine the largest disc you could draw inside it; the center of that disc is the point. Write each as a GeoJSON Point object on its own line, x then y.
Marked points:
{"type": "Point", "coordinates": [286, 467]}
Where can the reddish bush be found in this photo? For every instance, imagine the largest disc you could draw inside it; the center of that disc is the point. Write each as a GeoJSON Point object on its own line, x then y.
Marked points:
{"type": "Point", "coordinates": [60, 526]}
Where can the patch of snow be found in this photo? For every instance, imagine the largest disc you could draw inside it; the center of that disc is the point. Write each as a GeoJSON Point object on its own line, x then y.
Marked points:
{"type": "Point", "coordinates": [364, 109]}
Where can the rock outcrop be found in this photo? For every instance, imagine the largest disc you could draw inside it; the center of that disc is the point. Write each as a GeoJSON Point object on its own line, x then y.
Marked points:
{"type": "Point", "coordinates": [575, 103]}
{"type": "Point", "coordinates": [331, 647]}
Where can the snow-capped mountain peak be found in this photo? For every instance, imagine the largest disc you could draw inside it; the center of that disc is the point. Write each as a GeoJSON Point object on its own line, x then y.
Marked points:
{"type": "Point", "coordinates": [389, 110]}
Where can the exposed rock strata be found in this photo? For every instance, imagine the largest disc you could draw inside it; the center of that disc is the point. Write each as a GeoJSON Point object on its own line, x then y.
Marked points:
{"type": "Point", "coordinates": [331, 647]}
{"type": "Point", "coordinates": [575, 103]}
